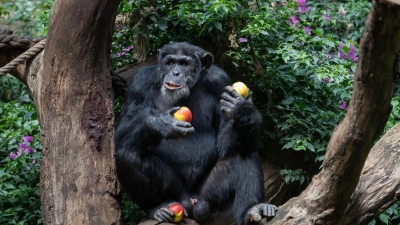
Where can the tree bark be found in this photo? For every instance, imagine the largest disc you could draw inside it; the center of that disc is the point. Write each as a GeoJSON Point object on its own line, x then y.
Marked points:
{"type": "Point", "coordinates": [379, 185]}
{"type": "Point", "coordinates": [75, 106]}
{"type": "Point", "coordinates": [326, 198]}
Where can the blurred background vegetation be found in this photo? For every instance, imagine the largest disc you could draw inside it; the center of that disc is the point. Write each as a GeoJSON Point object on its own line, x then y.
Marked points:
{"type": "Point", "coordinates": [298, 57]}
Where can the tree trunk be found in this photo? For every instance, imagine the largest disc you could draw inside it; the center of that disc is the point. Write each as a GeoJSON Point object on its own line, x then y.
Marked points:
{"type": "Point", "coordinates": [326, 198]}
{"type": "Point", "coordinates": [75, 106]}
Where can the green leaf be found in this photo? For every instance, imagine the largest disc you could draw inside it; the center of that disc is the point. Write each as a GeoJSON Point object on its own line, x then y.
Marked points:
{"type": "Point", "coordinates": [288, 100]}
{"type": "Point", "coordinates": [288, 145]}
{"type": "Point", "coordinates": [162, 24]}
{"type": "Point", "coordinates": [384, 218]}
{"type": "Point", "coordinates": [328, 42]}
{"type": "Point", "coordinates": [301, 147]}
{"type": "Point", "coordinates": [8, 185]}
{"type": "Point", "coordinates": [302, 179]}
{"type": "Point", "coordinates": [283, 172]}
{"type": "Point", "coordinates": [218, 25]}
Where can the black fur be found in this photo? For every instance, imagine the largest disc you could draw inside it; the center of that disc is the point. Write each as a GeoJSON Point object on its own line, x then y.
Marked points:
{"type": "Point", "coordinates": [217, 164]}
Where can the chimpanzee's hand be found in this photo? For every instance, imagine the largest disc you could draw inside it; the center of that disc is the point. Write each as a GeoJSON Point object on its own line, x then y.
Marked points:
{"type": "Point", "coordinates": [234, 105]}
{"type": "Point", "coordinates": [163, 214]}
{"type": "Point", "coordinates": [169, 127]}
{"type": "Point", "coordinates": [256, 213]}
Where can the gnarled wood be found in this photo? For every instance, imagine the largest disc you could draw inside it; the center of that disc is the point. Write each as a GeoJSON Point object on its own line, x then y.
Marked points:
{"type": "Point", "coordinates": [326, 198]}
{"type": "Point", "coordinates": [379, 185]}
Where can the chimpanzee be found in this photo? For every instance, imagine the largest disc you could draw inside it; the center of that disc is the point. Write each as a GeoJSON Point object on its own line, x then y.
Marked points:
{"type": "Point", "coordinates": [206, 165]}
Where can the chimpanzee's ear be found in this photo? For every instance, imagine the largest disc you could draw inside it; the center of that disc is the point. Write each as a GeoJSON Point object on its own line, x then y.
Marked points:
{"type": "Point", "coordinates": [206, 60]}
{"type": "Point", "coordinates": [159, 53]}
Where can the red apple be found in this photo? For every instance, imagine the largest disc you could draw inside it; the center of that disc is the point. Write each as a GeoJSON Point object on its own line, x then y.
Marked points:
{"type": "Point", "coordinates": [183, 114]}
{"type": "Point", "coordinates": [178, 211]}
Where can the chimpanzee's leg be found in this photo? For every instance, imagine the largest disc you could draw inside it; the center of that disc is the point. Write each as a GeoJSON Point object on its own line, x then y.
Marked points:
{"type": "Point", "coordinates": [147, 179]}
{"type": "Point", "coordinates": [237, 180]}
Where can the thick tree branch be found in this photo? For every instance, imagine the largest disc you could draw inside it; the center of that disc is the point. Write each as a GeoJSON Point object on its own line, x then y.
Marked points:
{"type": "Point", "coordinates": [326, 198]}
{"type": "Point", "coordinates": [379, 185]}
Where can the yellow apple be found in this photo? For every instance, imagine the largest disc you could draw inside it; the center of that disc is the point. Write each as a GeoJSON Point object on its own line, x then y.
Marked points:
{"type": "Point", "coordinates": [241, 88]}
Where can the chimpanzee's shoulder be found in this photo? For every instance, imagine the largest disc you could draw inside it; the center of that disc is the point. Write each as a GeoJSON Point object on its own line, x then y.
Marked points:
{"type": "Point", "coordinates": [216, 78]}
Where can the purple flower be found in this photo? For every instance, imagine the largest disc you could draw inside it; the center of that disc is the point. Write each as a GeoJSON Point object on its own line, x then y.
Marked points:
{"type": "Point", "coordinates": [119, 54]}
{"type": "Point", "coordinates": [127, 49]}
{"type": "Point", "coordinates": [293, 20]}
{"type": "Point", "coordinates": [23, 146]}
{"type": "Point", "coordinates": [342, 12]}
{"type": "Point", "coordinates": [27, 138]}
{"type": "Point", "coordinates": [303, 9]}
{"type": "Point", "coordinates": [240, 7]}
{"type": "Point", "coordinates": [29, 150]}
{"type": "Point", "coordinates": [14, 155]}
{"type": "Point", "coordinates": [283, 3]}
{"type": "Point", "coordinates": [326, 17]}
{"type": "Point", "coordinates": [326, 80]}
{"type": "Point", "coordinates": [340, 52]}
{"type": "Point", "coordinates": [343, 105]}
{"type": "Point", "coordinates": [307, 30]}
{"type": "Point", "coordinates": [330, 55]}
{"type": "Point", "coordinates": [302, 6]}
{"type": "Point", "coordinates": [352, 54]}
{"type": "Point", "coordinates": [241, 40]}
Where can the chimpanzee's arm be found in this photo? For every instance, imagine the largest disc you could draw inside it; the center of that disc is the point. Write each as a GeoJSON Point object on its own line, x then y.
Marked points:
{"type": "Point", "coordinates": [142, 124]}
{"type": "Point", "coordinates": [239, 123]}
{"type": "Point", "coordinates": [242, 111]}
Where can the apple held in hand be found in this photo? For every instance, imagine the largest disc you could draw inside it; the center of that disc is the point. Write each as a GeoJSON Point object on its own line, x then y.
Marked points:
{"type": "Point", "coordinates": [178, 211]}
{"type": "Point", "coordinates": [183, 114]}
{"type": "Point", "coordinates": [241, 88]}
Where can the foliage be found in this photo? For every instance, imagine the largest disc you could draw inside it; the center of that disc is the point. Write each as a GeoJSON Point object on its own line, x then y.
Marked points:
{"type": "Point", "coordinates": [19, 164]}
{"type": "Point", "coordinates": [296, 43]}
{"type": "Point", "coordinates": [12, 89]}
{"type": "Point", "coordinates": [27, 18]}
{"type": "Point", "coordinates": [131, 213]}
{"type": "Point", "coordinates": [122, 47]}
{"type": "Point", "coordinates": [308, 55]}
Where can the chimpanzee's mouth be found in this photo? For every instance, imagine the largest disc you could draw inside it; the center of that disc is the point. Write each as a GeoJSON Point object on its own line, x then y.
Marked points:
{"type": "Point", "coordinates": [172, 86]}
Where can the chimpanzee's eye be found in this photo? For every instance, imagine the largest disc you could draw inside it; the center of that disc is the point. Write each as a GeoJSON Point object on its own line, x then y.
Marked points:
{"type": "Point", "coordinates": [183, 63]}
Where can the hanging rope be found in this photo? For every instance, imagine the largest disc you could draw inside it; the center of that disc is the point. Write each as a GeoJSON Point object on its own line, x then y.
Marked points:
{"type": "Point", "coordinates": [38, 47]}
{"type": "Point", "coordinates": [9, 41]}
{"type": "Point", "coordinates": [34, 46]}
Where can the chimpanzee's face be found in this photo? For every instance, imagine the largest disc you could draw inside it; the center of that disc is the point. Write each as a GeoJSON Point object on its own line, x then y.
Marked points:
{"type": "Point", "coordinates": [179, 74]}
